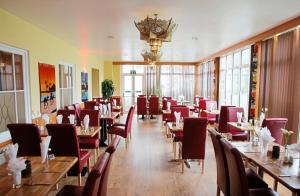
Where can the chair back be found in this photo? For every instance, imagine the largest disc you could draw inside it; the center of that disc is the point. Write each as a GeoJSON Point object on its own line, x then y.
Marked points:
{"type": "Point", "coordinates": [118, 100]}
{"type": "Point", "coordinates": [65, 114]}
{"type": "Point", "coordinates": [90, 105]}
{"type": "Point", "coordinates": [275, 125]}
{"type": "Point", "coordinates": [104, 180]}
{"type": "Point", "coordinates": [28, 138]}
{"type": "Point", "coordinates": [129, 120]}
{"type": "Point", "coordinates": [223, 120]}
{"type": "Point", "coordinates": [154, 105]}
{"type": "Point", "coordinates": [93, 114]}
{"type": "Point", "coordinates": [197, 97]}
{"type": "Point", "coordinates": [141, 106]}
{"type": "Point", "coordinates": [222, 168]}
{"type": "Point", "coordinates": [70, 107]}
{"type": "Point", "coordinates": [236, 169]}
{"type": "Point", "coordinates": [184, 112]}
{"type": "Point", "coordinates": [232, 117]}
{"type": "Point", "coordinates": [194, 137]}
{"type": "Point", "coordinates": [92, 183]}
{"type": "Point", "coordinates": [206, 104]}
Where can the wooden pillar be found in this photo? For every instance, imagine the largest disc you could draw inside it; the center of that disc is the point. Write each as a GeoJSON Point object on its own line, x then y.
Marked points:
{"type": "Point", "coordinates": [216, 78]}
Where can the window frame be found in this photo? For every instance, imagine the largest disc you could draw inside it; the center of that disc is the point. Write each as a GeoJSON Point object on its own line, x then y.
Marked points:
{"type": "Point", "coordinates": [73, 81]}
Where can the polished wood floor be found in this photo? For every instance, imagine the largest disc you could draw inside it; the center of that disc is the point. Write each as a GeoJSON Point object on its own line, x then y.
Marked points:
{"type": "Point", "coordinates": [145, 168]}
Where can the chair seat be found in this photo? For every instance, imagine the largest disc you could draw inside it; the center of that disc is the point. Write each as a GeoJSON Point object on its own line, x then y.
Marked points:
{"type": "Point", "coordinates": [166, 117]}
{"type": "Point", "coordinates": [71, 190]}
{"type": "Point", "coordinates": [177, 136]}
{"type": "Point", "coordinates": [89, 143]}
{"type": "Point", "coordinates": [117, 130]}
{"type": "Point", "coordinates": [263, 191]}
{"type": "Point", "coordinates": [84, 156]}
{"type": "Point", "coordinates": [254, 181]}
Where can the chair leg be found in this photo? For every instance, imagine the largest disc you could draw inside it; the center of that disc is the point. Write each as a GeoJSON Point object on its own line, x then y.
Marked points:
{"type": "Point", "coordinates": [126, 143]}
{"type": "Point", "coordinates": [218, 191]}
{"type": "Point", "coordinates": [79, 179]}
{"type": "Point", "coordinates": [182, 165]}
{"type": "Point", "coordinates": [202, 166]}
{"type": "Point", "coordinates": [174, 149]}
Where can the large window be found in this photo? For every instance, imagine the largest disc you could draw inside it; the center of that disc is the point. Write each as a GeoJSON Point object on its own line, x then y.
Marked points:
{"type": "Point", "coordinates": [66, 84]}
{"type": "Point", "coordinates": [14, 88]}
{"type": "Point", "coordinates": [206, 79]}
{"type": "Point", "coordinates": [235, 78]}
{"type": "Point", "coordinates": [177, 80]}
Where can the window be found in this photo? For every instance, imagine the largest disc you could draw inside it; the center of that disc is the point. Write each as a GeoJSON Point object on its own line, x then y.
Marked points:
{"type": "Point", "coordinates": [66, 84]}
{"type": "Point", "coordinates": [206, 79]}
{"type": "Point", "coordinates": [234, 79]}
{"type": "Point", "coordinates": [14, 88]}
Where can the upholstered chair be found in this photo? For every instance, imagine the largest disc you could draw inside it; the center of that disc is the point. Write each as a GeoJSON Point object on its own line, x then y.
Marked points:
{"type": "Point", "coordinates": [141, 106]}
{"type": "Point", "coordinates": [275, 125]}
{"type": "Point", "coordinates": [65, 114]}
{"type": "Point", "coordinates": [237, 135]}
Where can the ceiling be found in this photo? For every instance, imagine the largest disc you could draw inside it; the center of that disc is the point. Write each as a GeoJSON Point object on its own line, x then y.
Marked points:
{"type": "Point", "coordinates": [204, 26]}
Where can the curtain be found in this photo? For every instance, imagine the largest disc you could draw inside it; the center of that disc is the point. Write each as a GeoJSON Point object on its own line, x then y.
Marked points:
{"type": "Point", "coordinates": [177, 80]}
{"type": "Point", "coordinates": [151, 81]}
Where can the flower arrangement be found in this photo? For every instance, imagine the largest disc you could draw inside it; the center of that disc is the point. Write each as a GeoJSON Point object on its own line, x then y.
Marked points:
{"type": "Point", "coordinates": [286, 134]}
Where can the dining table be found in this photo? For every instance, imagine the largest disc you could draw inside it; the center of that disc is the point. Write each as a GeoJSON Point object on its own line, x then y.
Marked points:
{"type": "Point", "coordinates": [81, 133]}
{"type": "Point", "coordinates": [104, 119]}
{"type": "Point", "coordinates": [287, 174]}
{"type": "Point", "coordinates": [39, 182]}
{"type": "Point", "coordinates": [244, 127]}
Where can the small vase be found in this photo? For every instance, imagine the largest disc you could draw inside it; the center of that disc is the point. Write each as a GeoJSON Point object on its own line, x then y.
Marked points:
{"type": "Point", "coordinates": [286, 157]}
{"type": "Point", "coordinates": [264, 147]}
{"type": "Point", "coordinates": [17, 176]}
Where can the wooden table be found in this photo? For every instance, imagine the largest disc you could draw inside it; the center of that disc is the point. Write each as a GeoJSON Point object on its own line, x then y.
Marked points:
{"type": "Point", "coordinates": [80, 132]}
{"type": "Point", "coordinates": [172, 127]}
{"type": "Point", "coordinates": [104, 126]}
{"type": "Point", "coordinates": [287, 175]}
{"type": "Point", "coordinates": [166, 112]}
{"type": "Point", "coordinates": [244, 127]}
{"type": "Point", "coordinates": [39, 183]}
{"type": "Point", "coordinates": [212, 112]}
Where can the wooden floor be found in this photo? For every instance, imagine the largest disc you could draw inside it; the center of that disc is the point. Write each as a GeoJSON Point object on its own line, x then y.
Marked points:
{"type": "Point", "coordinates": [145, 168]}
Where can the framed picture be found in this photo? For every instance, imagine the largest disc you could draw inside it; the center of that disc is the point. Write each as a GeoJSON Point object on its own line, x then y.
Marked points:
{"type": "Point", "coordinates": [84, 87]}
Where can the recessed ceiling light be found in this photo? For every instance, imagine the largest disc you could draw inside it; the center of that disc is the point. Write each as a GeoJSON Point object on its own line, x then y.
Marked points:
{"type": "Point", "coordinates": [110, 37]}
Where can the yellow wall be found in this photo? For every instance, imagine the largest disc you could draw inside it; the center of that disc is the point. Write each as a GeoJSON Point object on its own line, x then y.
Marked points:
{"type": "Point", "coordinates": [45, 48]}
{"type": "Point", "coordinates": [113, 72]}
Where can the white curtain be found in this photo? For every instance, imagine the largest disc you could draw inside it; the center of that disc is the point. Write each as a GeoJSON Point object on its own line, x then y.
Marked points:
{"type": "Point", "coordinates": [176, 80]}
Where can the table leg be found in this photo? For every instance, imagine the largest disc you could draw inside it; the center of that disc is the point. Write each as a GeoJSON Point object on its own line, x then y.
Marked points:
{"type": "Point", "coordinates": [103, 139]}
{"type": "Point", "coordinates": [275, 185]}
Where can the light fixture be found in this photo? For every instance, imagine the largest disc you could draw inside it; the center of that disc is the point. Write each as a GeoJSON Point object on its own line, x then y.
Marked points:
{"type": "Point", "coordinates": [151, 58]}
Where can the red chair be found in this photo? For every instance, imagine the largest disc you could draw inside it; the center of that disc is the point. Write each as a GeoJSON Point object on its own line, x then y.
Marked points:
{"type": "Point", "coordinates": [141, 106]}
{"type": "Point", "coordinates": [77, 112]}
{"type": "Point", "coordinates": [239, 184]}
{"type": "Point", "coordinates": [65, 114]}
{"type": "Point", "coordinates": [254, 181]}
{"type": "Point", "coordinates": [123, 130]}
{"type": "Point", "coordinates": [232, 117]}
{"type": "Point", "coordinates": [119, 103]}
{"type": "Point", "coordinates": [91, 187]}
{"type": "Point", "coordinates": [91, 143]}
{"type": "Point", "coordinates": [153, 106]}
{"type": "Point", "coordinates": [164, 102]}
{"type": "Point", "coordinates": [193, 140]}
{"type": "Point", "coordinates": [222, 125]}
{"type": "Point", "coordinates": [28, 138]}
{"type": "Point", "coordinates": [90, 105]}
{"type": "Point", "coordinates": [64, 142]}
{"type": "Point", "coordinates": [207, 104]}
{"type": "Point", "coordinates": [167, 117]}
{"type": "Point", "coordinates": [275, 125]}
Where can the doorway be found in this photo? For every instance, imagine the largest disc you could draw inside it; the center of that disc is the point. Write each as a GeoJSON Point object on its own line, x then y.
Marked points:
{"type": "Point", "coordinates": [95, 83]}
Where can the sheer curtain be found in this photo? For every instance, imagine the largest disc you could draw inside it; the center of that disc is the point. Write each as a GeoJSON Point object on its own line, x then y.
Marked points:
{"type": "Point", "coordinates": [206, 79]}
{"type": "Point", "coordinates": [176, 80]}
{"type": "Point", "coordinates": [151, 79]}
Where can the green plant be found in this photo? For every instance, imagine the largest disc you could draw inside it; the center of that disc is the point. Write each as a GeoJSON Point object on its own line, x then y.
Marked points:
{"type": "Point", "coordinates": [107, 88]}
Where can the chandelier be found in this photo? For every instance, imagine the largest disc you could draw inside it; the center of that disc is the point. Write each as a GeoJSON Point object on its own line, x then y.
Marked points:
{"type": "Point", "coordinates": [151, 58]}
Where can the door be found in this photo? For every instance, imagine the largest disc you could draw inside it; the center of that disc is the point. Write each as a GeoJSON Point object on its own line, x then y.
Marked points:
{"type": "Point", "coordinates": [95, 83]}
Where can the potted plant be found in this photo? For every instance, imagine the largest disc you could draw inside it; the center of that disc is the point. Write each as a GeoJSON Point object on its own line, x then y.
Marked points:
{"type": "Point", "coordinates": [107, 88]}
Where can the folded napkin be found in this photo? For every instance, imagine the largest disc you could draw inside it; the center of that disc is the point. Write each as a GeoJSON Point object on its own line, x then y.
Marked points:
{"type": "Point", "coordinates": [44, 148]}
{"type": "Point", "coordinates": [177, 118]}
{"type": "Point", "coordinates": [46, 118]}
{"type": "Point", "coordinates": [72, 118]}
{"type": "Point", "coordinates": [181, 98]}
{"type": "Point", "coordinates": [261, 118]}
{"type": "Point", "coordinates": [197, 101]}
{"type": "Point", "coordinates": [109, 108]}
{"type": "Point", "coordinates": [104, 109]}
{"type": "Point", "coordinates": [96, 107]}
{"type": "Point", "coordinates": [239, 116]}
{"type": "Point", "coordinates": [115, 102]}
{"type": "Point", "coordinates": [211, 106]}
{"type": "Point", "coordinates": [12, 151]}
{"type": "Point", "coordinates": [168, 106]}
{"type": "Point", "coordinates": [265, 135]}
{"type": "Point", "coordinates": [59, 119]}
{"type": "Point", "coordinates": [86, 122]}
{"type": "Point", "coordinates": [101, 108]}
{"type": "Point", "coordinates": [15, 164]}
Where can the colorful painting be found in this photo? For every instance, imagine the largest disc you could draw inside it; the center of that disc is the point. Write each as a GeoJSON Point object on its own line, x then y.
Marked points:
{"type": "Point", "coordinates": [84, 86]}
{"type": "Point", "coordinates": [47, 88]}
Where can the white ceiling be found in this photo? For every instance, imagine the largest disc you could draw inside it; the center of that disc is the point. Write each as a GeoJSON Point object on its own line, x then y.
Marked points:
{"type": "Point", "coordinates": [216, 23]}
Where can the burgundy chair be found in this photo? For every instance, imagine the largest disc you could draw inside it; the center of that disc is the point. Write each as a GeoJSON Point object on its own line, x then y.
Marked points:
{"type": "Point", "coordinates": [275, 125]}
{"type": "Point", "coordinates": [104, 180]}
{"type": "Point", "coordinates": [70, 107]}
{"type": "Point", "coordinates": [222, 125]}
{"type": "Point", "coordinates": [193, 140]}
{"type": "Point", "coordinates": [77, 112]}
{"type": "Point", "coordinates": [123, 130]}
{"type": "Point", "coordinates": [167, 117]}
{"type": "Point", "coordinates": [205, 105]}
{"type": "Point", "coordinates": [232, 117]}
{"type": "Point", "coordinates": [28, 138]}
{"type": "Point", "coordinates": [91, 187]}
{"type": "Point", "coordinates": [64, 142]}
{"type": "Point", "coordinates": [141, 106]}
{"type": "Point", "coordinates": [93, 142]}
{"type": "Point", "coordinates": [90, 105]}
{"type": "Point", "coordinates": [153, 105]}
{"type": "Point", "coordinates": [119, 103]}
{"type": "Point", "coordinates": [164, 102]}
{"type": "Point", "coordinates": [223, 183]}
{"type": "Point", "coordinates": [65, 114]}
{"type": "Point", "coordinates": [239, 184]}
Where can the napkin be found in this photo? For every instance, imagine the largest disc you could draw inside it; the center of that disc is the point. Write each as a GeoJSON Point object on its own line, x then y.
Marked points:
{"type": "Point", "coordinates": [46, 118]}
{"type": "Point", "coordinates": [168, 106]}
{"type": "Point", "coordinates": [86, 122]}
{"type": "Point", "coordinates": [265, 135]}
{"type": "Point", "coordinates": [115, 102]}
{"type": "Point", "coordinates": [109, 108]}
{"type": "Point", "coordinates": [294, 147]}
{"type": "Point", "coordinates": [59, 119]}
{"type": "Point", "coordinates": [96, 107]}
{"type": "Point", "coordinates": [14, 164]}
{"type": "Point", "coordinates": [239, 116]}
{"type": "Point", "coordinates": [211, 106]}
{"type": "Point", "coordinates": [181, 98]}
{"type": "Point", "coordinates": [44, 148]}
{"type": "Point", "coordinates": [101, 108]}
{"type": "Point", "coordinates": [11, 151]}
{"type": "Point", "coordinates": [104, 109]}
{"type": "Point", "coordinates": [261, 118]}
{"type": "Point", "coordinates": [72, 118]}
{"type": "Point", "coordinates": [197, 101]}
{"type": "Point", "coordinates": [177, 118]}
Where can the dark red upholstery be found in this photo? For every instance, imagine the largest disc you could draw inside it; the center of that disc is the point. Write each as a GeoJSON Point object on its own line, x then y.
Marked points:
{"type": "Point", "coordinates": [199, 97]}
{"type": "Point", "coordinates": [65, 114]}
{"type": "Point", "coordinates": [153, 105]}
{"type": "Point", "coordinates": [232, 117]}
{"type": "Point", "coordinates": [141, 106]}
{"type": "Point", "coordinates": [70, 107]}
{"type": "Point", "coordinates": [61, 146]}
{"type": "Point", "coordinates": [275, 125]}
{"type": "Point", "coordinates": [164, 102]}
{"type": "Point", "coordinates": [90, 105]}
{"type": "Point", "coordinates": [93, 180]}
{"type": "Point", "coordinates": [167, 117]}
{"type": "Point", "coordinates": [93, 114]}
{"type": "Point", "coordinates": [28, 138]}
{"type": "Point", "coordinates": [222, 126]}
{"type": "Point", "coordinates": [119, 103]}
{"type": "Point", "coordinates": [77, 112]}
{"type": "Point", "coordinates": [194, 136]}
{"type": "Point", "coordinates": [184, 112]}
{"type": "Point", "coordinates": [237, 174]}
{"type": "Point", "coordinates": [205, 105]}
